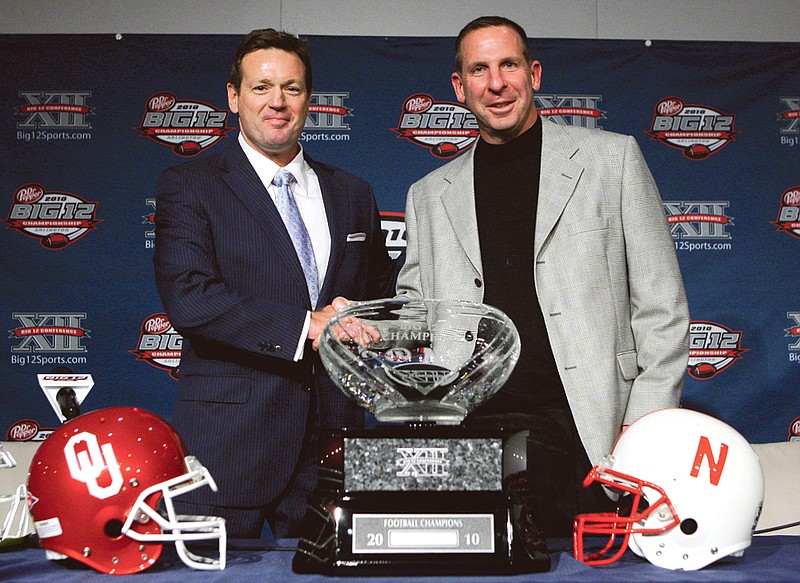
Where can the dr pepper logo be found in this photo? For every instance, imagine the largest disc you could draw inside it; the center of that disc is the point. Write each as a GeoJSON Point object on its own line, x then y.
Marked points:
{"type": "Point", "coordinates": [696, 130]}
{"type": "Point", "coordinates": [27, 430]}
{"type": "Point", "coordinates": [159, 344]}
{"type": "Point", "coordinates": [794, 429]}
{"type": "Point", "coordinates": [789, 213]}
{"type": "Point", "coordinates": [445, 128]}
{"type": "Point", "coordinates": [712, 349]}
{"type": "Point", "coordinates": [57, 219]}
{"type": "Point", "coordinates": [188, 127]}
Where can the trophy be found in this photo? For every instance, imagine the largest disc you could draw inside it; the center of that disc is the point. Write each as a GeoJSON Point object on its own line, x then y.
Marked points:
{"type": "Point", "coordinates": [419, 493]}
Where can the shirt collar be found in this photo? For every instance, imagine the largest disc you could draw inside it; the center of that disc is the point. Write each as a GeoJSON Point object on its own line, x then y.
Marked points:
{"type": "Point", "coordinates": [266, 168]}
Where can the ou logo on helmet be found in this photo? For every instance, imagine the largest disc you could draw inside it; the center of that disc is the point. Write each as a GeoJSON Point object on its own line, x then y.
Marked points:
{"type": "Point", "coordinates": [89, 464]}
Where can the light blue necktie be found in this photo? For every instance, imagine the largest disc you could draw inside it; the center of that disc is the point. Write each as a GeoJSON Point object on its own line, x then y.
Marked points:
{"type": "Point", "coordinates": [290, 214]}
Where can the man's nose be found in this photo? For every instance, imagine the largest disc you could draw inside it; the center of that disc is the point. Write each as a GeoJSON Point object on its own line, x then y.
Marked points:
{"type": "Point", "coordinates": [276, 98]}
{"type": "Point", "coordinates": [496, 80]}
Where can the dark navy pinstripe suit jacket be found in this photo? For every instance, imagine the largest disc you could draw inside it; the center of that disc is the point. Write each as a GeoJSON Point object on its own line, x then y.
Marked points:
{"type": "Point", "coordinates": [231, 284]}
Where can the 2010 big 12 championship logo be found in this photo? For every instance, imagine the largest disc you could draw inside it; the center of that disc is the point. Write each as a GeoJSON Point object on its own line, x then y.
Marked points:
{"type": "Point", "coordinates": [57, 219]}
{"type": "Point", "coordinates": [445, 128]}
{"type": "Point", "coordinates": [188, 127]}
{"type": "Point", "coordinates": [789, 213]}
{"type": "Point", "coordinates": [712, 349]}
{"type": "Point", "coordinates": [160, 344]}
{"type": "Point", "coordinates": [697, 130]}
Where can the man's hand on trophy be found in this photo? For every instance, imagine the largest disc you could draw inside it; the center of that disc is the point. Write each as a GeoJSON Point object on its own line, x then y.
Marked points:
{"type": "Point", "coordinates": [355, 331]}
{"type": "Point", "coordinates": [317, 325]}
{"type": "Point", "coordinates": [320, 318]}
{"type": "Point", "coordinates": [339, 302]}
{"type": "Point", "coordinates": [346, 329]}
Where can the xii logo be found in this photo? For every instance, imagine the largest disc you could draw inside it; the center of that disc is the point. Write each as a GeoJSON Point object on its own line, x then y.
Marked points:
{"type": "Point", "coordinates": [49, 332]}
{"type": "Point", "coordinates": [422, 462]}
{"type": "Point", "coordinates": [794, 331]}
{"type": "Point", "coordinates": [574, 110]}
{"type": "Point", "coordinates": [326, 111]}
{"type": "Point", "coordinates": [698, 219]}
{"type": "Point", "coordinates": [791, 116]}
{"type": "Point", "coordinates": [55, 109]}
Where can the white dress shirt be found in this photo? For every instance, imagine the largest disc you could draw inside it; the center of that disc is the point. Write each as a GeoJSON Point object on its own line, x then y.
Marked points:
{"type": "Point", "coordinates": [308, 195]}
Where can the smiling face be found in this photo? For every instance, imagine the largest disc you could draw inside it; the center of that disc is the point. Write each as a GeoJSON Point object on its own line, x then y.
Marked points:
{"type": "Point", "coordinates": [272, 103]}
{"type": "Point", "coordinates": [497, 83]}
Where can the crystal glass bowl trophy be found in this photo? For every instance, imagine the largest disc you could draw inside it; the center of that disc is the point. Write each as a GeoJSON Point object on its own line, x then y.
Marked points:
{"type": "Point", "coordinates": [428, 361]}
{"type": "Point", "coordinates": [419, 493]}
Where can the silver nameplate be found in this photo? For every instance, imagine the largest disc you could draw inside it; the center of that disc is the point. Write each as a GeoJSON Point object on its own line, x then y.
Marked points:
{"type": "Point", "coordinates": [423, 533]}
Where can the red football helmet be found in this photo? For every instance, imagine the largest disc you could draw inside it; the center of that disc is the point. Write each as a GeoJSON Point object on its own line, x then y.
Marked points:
{"type": "Point", "coordinates": [95, 486]}
{"type": "Point", "coordinates": [693, 488]}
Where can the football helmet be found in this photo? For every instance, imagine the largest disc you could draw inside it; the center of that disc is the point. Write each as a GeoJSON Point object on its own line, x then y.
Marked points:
{"type": "Point", "coordinates": [16, 522]}
{"type": "Point", "coordinates": [694, 489]}
{"type": "Point", "coordinates": [101, 490]}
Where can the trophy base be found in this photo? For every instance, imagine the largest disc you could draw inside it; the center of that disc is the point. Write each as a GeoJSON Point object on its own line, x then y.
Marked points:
{"type": "Point", "coordinates": [446, 511]}
{"type": "Point", "coordinates": [376, 534]}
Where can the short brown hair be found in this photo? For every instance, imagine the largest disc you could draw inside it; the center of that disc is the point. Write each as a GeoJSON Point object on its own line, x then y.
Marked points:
{"type": "Point", "coordinates": [269, 38]}
{"type": "Point", "coordinates": [486, 22]}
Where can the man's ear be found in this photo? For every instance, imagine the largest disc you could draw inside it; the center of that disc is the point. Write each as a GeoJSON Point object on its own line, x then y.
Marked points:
{"type": "Point", "coordinates": [233, 99]}
{"type": "Point", "coordinates": [536, 75]}
{"type": "Point", "coordinates": [458, 86]}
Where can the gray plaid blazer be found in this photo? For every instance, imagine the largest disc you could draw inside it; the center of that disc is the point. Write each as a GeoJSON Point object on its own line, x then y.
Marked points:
{"type": "Point", "coordinates": [606, 273]}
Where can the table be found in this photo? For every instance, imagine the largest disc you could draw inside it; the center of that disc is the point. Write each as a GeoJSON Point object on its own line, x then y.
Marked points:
{"type": "Point", "coordinates": [770, 558]}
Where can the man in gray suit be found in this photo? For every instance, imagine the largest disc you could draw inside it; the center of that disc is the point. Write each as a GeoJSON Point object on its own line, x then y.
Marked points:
{"type": "Point", "coordinates": [564, 230]}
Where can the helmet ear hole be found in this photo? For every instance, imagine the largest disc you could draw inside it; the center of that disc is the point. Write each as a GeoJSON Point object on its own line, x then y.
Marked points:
{"type": "Point", "coordinates": [689, 526]}
{"type": "Point", "coordinates": [113, 528]}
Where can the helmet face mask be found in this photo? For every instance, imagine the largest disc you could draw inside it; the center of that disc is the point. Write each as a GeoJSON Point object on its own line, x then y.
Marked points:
{"type": "Point", "coordinates": [173, 527]}
{"type": "Point", "coordinates": [634, 515]}
{"type": "Point", "coordinates": [13, 508]}
{"type": "Point", "coordinates": [102, 489]}
{"type": "Point", "coordinates": [694, 487]}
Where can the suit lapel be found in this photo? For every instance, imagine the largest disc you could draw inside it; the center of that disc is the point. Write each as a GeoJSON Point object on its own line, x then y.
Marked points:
{"type": "Point", "coordinates": [244, 183]}
{"type": "Point", "coordinates": [458, 200]}
{"type": "Point", "coordinates": [557, 181]}
{"type": "Point", "coordinates": [337, 211]}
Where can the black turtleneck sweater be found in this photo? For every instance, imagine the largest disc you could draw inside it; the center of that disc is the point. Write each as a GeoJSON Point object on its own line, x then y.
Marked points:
{"type": "Point", "coordinates": [506, 195]}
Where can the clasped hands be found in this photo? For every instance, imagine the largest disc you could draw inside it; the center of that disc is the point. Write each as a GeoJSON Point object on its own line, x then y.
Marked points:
{"type": "Point", "coordinates": [350, 328]}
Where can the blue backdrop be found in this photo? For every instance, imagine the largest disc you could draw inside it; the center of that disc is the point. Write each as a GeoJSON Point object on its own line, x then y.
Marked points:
{"type": "Point", "coordinates": [87, 122]}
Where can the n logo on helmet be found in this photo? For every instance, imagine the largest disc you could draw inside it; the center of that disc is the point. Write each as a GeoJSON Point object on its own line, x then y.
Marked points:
{"type": "Point", "coordinates": [86, 465]}
{"type": "Point", "coordinates": [715, 467]}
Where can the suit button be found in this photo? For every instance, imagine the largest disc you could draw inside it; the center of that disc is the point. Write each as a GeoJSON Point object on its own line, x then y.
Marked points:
{"type": "Point", "coordinates": [478, 282]}
{"type": "Point", "coordinates": [266, 347]}
{"type": "Point", "coordinates": [277, 348]}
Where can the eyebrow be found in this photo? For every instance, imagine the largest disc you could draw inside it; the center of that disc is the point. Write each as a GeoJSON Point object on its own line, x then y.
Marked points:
{"type": "Point", "coordinates": [267, 81]}
{"type": "Point", "coordinates": [485, 63]}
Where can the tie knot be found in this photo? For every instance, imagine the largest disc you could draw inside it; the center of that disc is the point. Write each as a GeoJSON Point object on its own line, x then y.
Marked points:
{"type": "Point", "coordinates": [282, 177]}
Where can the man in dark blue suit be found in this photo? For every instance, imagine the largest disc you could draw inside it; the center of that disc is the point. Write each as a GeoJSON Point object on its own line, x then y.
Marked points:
{"type": "Point", "coordinates": [252, 392]}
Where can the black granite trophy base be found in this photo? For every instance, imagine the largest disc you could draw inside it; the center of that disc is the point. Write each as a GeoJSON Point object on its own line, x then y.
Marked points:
{"type": "Point", "coordinates": [418, 501]}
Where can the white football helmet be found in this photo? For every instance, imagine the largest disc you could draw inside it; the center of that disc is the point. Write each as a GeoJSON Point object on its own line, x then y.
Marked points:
{"type": "Point", "coordinates": [695, 489]}
{"type": "Point", "coordinates": [16, 522]}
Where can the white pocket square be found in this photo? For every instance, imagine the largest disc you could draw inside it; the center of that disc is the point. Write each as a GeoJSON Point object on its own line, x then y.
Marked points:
{"type": "Point", "coordinates": [356, 237]}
